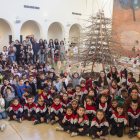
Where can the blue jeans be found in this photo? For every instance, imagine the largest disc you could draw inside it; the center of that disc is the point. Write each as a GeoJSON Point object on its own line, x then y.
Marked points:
{"type": "Point", "coordinates": [3, 115]}
{"type": "Point", "coordinates": [35, 56]}
{"type": "Point", "coordinates": [41, 58]}
{"type": "Point", "coordinates": [13, 58]}
{"type": "Point", "coordinates": [61, 56]}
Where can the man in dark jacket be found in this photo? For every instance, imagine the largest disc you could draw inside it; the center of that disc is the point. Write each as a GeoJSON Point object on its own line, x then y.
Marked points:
{"type": "Point", "coordinates": [35, 47]}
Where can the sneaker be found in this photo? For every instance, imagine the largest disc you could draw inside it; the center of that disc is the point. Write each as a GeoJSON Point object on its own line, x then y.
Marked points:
{"type": "Point", "coordinates": [23, 118]}
{"type": "Point", "coordinates": [19, 120]}
{"type": "Point", "coordinates": [103, 138]}
{"type": "Point", "coordinates": [2, 127]}
{"type": "Point", "coordinates": [73, 134]}
{"type": "Point", "coordinates": [59, 128]}
{"type": "Point", "coordinates": [130, 135]}
{"type": "Point", "coordinates": [68, 131]}
{"type": "Point", "coordinates": [135, 133]}
{"type": "Point", "coordinates": [9, 119]}
{"type": "Point", "coordinates": [47, 121]}
{"type": "Point", "coordinates": [87, 134]}
{"type": "Point", "coordinates": [53, 122]}
{"type": "Point", "coordinates": [92, 136]}
{"type": "Point", "coordinates": [36, 122]}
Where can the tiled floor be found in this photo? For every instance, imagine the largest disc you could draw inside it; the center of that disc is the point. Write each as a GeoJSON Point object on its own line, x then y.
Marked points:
{"type": "Point", "coordinates": [27, 131]}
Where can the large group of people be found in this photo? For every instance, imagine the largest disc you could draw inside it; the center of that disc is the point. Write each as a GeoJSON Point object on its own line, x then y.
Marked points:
{"type": "Point", "coordinates": [31, 90]}
{"type": "Point", "coordinates": [30, 50]}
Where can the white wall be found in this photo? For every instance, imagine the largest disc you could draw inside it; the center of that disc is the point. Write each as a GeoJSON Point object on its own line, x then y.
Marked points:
{"type": "Point", "coordinates": [73, 33]}
{"type": "Point", "coordinates": [28, 28]}
{"type": "Point", "coordinates": [106, 5]}
{"type": "Point", "coordinates": [55, 31]}
{"type": "Point", "coordinates": [5, 31]}
{"type": "Point", "coordinates": [52, 10]}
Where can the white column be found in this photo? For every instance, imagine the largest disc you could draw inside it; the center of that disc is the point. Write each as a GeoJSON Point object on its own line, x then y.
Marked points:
{"type": "Point", "coordinates": [67, 38]}
{"type": "Point", "coordinates": [16, 35]}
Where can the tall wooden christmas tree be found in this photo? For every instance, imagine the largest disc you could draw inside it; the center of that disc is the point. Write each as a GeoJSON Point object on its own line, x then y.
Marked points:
{"type": "Point", "coordinates": [97, 43]}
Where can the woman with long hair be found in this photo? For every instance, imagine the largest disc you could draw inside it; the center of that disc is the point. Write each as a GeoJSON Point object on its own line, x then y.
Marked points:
{"type": "Point", "coordinates": [102, 81]}
{"type": "Point", "coordinates": [51, 50]}
{"type": "Point", "coordinates": [46, 51]}
{"type": "Point", "coordinates": [113, 74]}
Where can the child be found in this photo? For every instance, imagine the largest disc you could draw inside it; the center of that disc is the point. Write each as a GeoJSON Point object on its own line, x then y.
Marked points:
{"type": "Point", "coordinates": [50, 76]}
{"type": "Point", "coordinates": [52, 93]}
{"type": "Point", "coordinates": [88, 82]}
{"type": "Point", "coordinates": [28, 91]}
{"type": "Point", "coordinates": [20, 70]}
{"type": "Point", "coordinates": [94, 87]}
{"type": "Point", "coordinates": [123, 86]}
{"type": "Point", "coordinates": [112, 109]}
{"type": "Point", "coordinates": [133, 85]}
{"type": "Point", "coordinates": [15, 80]}
{"type": "Point", "coordinates": [90, 109]}
{"type": "Point", "coordinates": [123, 77]}
{"type": "Point", "coordinates": [4, 55]}
{"type": "Point", "coordinates": [99, 126]}
{"type": "Point", "coordinates": [91, 94]}
{"type": "Point", "coordinates": [113, 87]}
{"type": "Point", "coordinates": [75, 77]}
{"type": "Point", "coordinates": [121, 98]}
{"type": "Point", "coordinates": [78, 94]}
{"type": "Point", "coordinates": [133, 114]}
{"type": "Point", "coordinates": [81, 123]}
{"type": "Point", "coordinates": [63, 79]}
{"type": "Point", "coordinates": [69, 89]}
{"type": "Point", "coordinates": [16, 110]}
{"type": "Point", "coordinates": [49, 84]}
{"type": "Point", "coordinates": [29, 109]}
{"type": "Point", "coordinates": [15, 72]}
{"type": "Point", "coordinates": [31, 78]}
{"type": "Point", "coordinates": [102, 102]}
{"type": "Point", "coordinates": [2, 108]}
{"type": "Point", "coordinates": [129, 77]}
{"type": "Point", "coordinates": [57, 83]}
{"type": "Point", "coordinates": [83, 85]}
{"type": "Point", "coordinates": [118, 121]}
{"type": "Point", "coordinates": [21, 88]}
{"type": "Point", "coordinates": [44, 96]}
{"type": "Point", "coordinates": [74, 104]}
{"type": "Point", "coordinates": [9, 95]}
{"type": "Point", "coordinates": [41, 84]}
{"type": "Point", "coordinates": [65, 102]}
{"type": "Point", "coordinates": [42, 113]}
{"type": "Point", "coordinates": [56, 110]}
{"type": "Point", "coordinates": [47, 67]}
{"type": "Point", "coordinates": [67, 122]}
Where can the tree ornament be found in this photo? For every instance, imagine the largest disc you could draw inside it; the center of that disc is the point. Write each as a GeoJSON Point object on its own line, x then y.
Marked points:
{"type": "Point", "coordinates": [107, 69]}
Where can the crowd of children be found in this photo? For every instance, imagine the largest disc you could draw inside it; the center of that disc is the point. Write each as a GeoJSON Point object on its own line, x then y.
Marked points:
{"type": "Point", "coordinates": [81, 106]}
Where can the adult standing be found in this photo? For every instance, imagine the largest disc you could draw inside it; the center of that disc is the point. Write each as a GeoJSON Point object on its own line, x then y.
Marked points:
{"type": "Point", "coordinates": [46, 51]}
{"type": "Point", "coordinates": [35, 47]}
{"type": "Point", "coordinates": [12, 51]}
{"type": "Point", "coordinates": [41, 43]}
{"type": "Point", "coordinates": [62, 50]}
{"type": "Point", "coordinates": [133, 97]}
{"type": "Point", "coordinates": [17, 45]}
{"type": "Point", "coordinates": [113, 74]}
{"type": "Point", "coordinates": [27, 41]}
{"type": "Point", "coordinates": [25, 48]}
{"type": "Point", "coordinates": [51, 49]}
{"type": "Point", "coordinates": [102, 81]}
